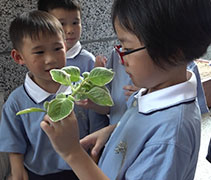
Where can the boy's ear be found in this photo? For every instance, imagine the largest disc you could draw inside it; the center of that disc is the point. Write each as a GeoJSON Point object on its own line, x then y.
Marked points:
{"type": "Point", "coordinates": [17, 57]}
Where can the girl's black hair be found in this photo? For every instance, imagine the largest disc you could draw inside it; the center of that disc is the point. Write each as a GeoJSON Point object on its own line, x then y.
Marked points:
{"type": "Point", "coordinates": [33, 24]}
{"type": "Point", "coordinates": [173, 31]}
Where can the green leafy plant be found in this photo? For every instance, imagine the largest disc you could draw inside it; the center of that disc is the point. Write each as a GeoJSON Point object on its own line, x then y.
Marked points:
{"type": "Point", "coordinates": [90, 86]}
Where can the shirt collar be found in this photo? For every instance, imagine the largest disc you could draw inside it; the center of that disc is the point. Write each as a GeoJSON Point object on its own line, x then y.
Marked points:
{"type": "Point", "coordinates": [167, 97]}
{"type": "Point", "coordinates": [38, 94]}
{"type": "Point", "coordinates": [74, 51]}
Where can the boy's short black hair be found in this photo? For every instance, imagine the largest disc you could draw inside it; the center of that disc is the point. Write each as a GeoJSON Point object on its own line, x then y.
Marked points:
{"type": "Point", "coordinates": [47, 5]}
{"type": "Point", "coordinates": [31, 24]}
{"type": "Point", "coordinates": [173, 31]}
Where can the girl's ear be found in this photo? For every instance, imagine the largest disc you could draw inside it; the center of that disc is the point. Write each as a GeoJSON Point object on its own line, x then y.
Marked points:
{"type": "Point", "coordinates": [17, 57]}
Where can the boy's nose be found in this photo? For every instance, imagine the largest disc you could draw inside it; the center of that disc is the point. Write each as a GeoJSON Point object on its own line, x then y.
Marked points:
{"type": "Point", "coordinates": [69, 30]}
{"type": "Point", "coordinates": [50, 59]}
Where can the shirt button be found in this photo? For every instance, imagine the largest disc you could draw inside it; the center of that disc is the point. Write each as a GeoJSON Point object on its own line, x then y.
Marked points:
{"type": "Point", "coordinates": [135, 103]}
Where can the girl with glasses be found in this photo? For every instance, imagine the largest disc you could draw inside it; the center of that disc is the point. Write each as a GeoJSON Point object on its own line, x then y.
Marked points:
{"type": "Point", "coordinates": [158, 137]}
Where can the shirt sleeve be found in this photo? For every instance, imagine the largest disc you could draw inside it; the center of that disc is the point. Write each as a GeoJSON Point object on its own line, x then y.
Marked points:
{"type": "Point", "coordinates": [12, 133]}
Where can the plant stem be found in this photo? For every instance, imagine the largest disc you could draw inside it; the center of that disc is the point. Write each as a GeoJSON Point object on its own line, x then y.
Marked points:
{"type": "Point", "coordinates": [78, 88]}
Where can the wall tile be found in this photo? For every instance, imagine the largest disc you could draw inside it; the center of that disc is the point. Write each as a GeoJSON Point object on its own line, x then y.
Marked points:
{"type": "Point", "coordinates": [12, 75]}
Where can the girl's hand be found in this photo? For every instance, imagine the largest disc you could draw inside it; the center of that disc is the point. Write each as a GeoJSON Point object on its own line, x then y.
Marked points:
{"type": "Point", "coordinates": [100, 61]}
{"type": "Point", "coordinates": [97, 140]}
{"type": "Point", "coordinates": [88, 104]}
{"type": "Point", "coordinates": [129, 90]}
{"type": "Point", "coordinates": [63, 134]}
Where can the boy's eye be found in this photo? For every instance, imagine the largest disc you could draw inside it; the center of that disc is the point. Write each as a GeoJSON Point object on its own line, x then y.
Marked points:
{"type": "Point", "coordinates": [58, 48]}
{"type": "Point", "coordinates": [62, 23]}
{"type": "Point", "coordinates": [76, 22]}
{"type": "Point", "coordinates": [38, 52]}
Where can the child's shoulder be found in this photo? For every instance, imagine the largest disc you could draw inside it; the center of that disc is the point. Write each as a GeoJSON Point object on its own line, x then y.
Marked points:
{"type": "Point", "coordinates": [17, 94]}
{"type": "Point", "coordinates": [86, 54]}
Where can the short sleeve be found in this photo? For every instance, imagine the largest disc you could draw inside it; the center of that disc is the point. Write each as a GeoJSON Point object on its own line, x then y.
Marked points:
{"type": "Point", "coordinates": [12, 133]}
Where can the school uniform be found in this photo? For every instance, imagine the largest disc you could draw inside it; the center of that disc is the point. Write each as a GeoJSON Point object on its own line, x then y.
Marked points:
{"type": "Point", "coordinates": [192, 66]}
{"type": "Point", "coordinates": [22, 134]}
{"type": "Point", "coordinates": [77, 56]}
{"type": "Point", "coordinates": [158, 137]}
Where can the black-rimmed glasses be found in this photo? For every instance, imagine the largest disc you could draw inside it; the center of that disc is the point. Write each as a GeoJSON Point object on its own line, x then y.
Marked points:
{"type": "Point", "coordinates": [121, 53]}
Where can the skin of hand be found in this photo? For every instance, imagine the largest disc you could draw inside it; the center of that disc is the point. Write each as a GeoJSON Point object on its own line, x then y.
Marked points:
{"type": "Point", "coordinates": [64, 137]}
{"type": "Point", "coordinates": [88, 104]}
{"type": "Point", "coordinates": [63, 134]}
{"type": "Point", "coordinates": [97, 140]}
{"type": "Point", "coordinates": [18, 172]}
{"type": "Point", "coordinates": [100, 61]}
{"type": "Point", "coordinates": [129, 90]}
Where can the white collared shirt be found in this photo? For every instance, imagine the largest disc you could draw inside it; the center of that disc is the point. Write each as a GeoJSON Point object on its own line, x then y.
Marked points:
{"type": "Point", "coordinates": [37, 93]}
{"type": "Point", "coordinates": [167, 97]}
{"type": "Point", "coordinates": [74, 51]}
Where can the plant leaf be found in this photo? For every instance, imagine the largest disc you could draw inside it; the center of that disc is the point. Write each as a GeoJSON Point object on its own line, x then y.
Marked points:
{"type": "Point", "coordinates": [71, 98]}
{"type": "Point", "coordinates": [73, 71]}
{"type": "Point", "coordinates": [60, 76]}
{"type": "Point", "coordinates": [45, 105]}
{"type": "Point", "coordinates": [60, 108]}
{"type": "Point", "coordinates": [29, 110]}
{"type": "Point", "coordinates": [61, 95]}
{"type": "Point", "coordinates": [87, 86]}
{"type": "Point", "coordinates": [100, 76]}
{"type": "Point", "coordinates": [100, 96]}
{"type": "Point", "coordinates": [85, 75]}
{"type": "Point", "coordinates": [80, 96]}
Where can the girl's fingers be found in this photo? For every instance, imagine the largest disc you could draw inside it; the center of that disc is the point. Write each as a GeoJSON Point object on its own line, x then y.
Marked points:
{"type": "Point", "coordinates": [96, 149]}
{"type": "Point", "coordinates": [130, 88]}
{"type": "Point", "coordinates": [100, 61]}
{"type": "Point", "coordinates": [47, 127]}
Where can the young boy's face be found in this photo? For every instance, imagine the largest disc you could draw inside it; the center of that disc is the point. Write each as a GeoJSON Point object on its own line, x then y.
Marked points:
{"type": "Point", "coordinates": [42, 55]}
{"type": "Point", "coordinates": [71, 22]}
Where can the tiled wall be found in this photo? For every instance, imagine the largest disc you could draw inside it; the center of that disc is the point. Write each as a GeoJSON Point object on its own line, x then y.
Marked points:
{"type": "Point", "coordinates": [97, 35]}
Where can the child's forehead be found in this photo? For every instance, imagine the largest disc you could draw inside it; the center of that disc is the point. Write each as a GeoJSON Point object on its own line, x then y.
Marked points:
{"type": "Point", "coordinates": [64, 11]}
{"type": "Point", "coordinates": [42, 36]}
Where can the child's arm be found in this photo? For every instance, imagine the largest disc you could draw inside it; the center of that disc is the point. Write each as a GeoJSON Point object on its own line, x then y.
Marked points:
{"type": "Point", "coordinates": [18, 172]}
{"type": "Point", "coordinates": [64, 137]}
{"type": "Point", "coordinates": [88, 104]}
{"type": "Point", "coordinates": [97, 140]}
